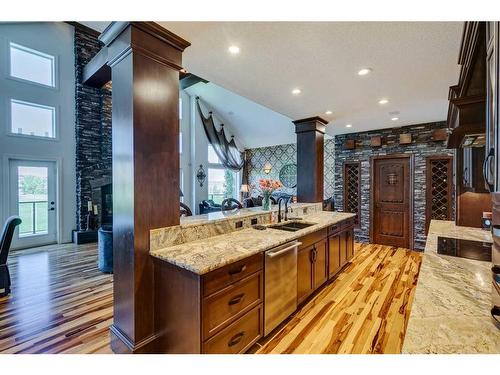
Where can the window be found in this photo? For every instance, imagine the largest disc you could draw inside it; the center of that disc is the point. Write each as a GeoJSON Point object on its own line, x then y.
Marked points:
{"type": "Point", "coordinates": [212, 156]}
{"type": "Point", "coordinates": [221, 182]}
{"type": "Point", "coordinates": [32, 119]}
{"type": "Point", "coordinates": [31, 65]}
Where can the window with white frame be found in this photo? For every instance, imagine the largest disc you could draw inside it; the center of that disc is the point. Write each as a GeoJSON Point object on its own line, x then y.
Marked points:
{"type": "Point", "coordinates": [222, 182]}
{"type": "Point", "coordinates": [31, 65]}
{"type": "Point", "coordinates": [32, 119]}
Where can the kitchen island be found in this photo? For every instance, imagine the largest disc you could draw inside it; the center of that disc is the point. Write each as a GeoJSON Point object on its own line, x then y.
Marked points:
{"type": "Point", "coordinates": [222, 293]}
{"type": "Point", "coordinates": [451, 309]}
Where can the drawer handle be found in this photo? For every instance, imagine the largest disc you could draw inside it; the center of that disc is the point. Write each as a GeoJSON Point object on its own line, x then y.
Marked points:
{"type": "Point", "coordinates": [238, 270]}
{"type": "Point", "coordinates": [236, 299]}
{"type": "Point", "coordinates": [235, 339]}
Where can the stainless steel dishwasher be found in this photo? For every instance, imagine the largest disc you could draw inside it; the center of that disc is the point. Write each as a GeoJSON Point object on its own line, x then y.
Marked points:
{"type": "Point", "coordinates": [280, 295]}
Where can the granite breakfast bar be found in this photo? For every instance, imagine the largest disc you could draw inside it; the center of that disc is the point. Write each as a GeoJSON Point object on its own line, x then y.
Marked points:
{"type": "Point", "coordinates": [451, 308]}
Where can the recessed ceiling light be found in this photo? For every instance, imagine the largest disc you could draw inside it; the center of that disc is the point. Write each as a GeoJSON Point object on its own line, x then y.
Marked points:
{"type": "Point", "coordinates": [395, 118]}
{"type": "Point", "coordinates": [383, 101]}
{"type": "Point", "coordinates": [234, 50]}
{"type": "Point", "coordinates": [328, 112]}
{"type": "Point", "coordinates": [296, 91]}
{"type": "Point", "coordinates": [364, 71]}
{"type": "Point", "coordinates": [348, 126]}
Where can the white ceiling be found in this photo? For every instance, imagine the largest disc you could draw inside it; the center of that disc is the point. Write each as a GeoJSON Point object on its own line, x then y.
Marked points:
{"type": "Point", "coordinates": [249, 122]}
{"type": "Point", "coordinates": [413, 65]}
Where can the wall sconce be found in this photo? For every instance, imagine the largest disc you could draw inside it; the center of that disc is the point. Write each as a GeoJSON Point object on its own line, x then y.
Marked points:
{"type": "Point", "coordinates": [201, 175]}
{"type": "Point", "coordinates": [268, 168]}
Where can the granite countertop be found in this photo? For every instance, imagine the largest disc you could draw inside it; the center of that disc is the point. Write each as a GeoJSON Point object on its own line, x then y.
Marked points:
{"type": "Point", "coordinates": [203, 256]}
{"type": "Point", "coordinates": [451, 308]}
{"type": "Point", "coordinates": [218, 216]}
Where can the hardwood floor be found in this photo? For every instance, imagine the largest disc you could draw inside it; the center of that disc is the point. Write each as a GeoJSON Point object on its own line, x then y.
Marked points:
{"type": "Point", "coordinates": [61, 303]}
{"type": "Point", "coordinates": [365, 310]}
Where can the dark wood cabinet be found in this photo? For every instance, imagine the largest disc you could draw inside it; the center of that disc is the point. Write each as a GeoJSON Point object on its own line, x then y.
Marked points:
{"type": "Point", "coordinates": [304, 273]}
{"type": "Point", "coordinates": [340, 247]}
{"type": "Point", "coordinates": [334, 265]}
{"type": "Point", "coordinates": [320, 263]}
{"type": "Point", "coordinates": [218, 312]}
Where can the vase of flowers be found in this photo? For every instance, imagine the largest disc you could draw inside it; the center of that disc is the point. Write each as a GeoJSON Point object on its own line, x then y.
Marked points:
{"type": "Point", "coordinates": [267, 187]}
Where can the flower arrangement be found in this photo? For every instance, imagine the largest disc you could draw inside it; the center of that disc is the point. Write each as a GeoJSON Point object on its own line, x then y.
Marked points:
{"type": "Point", "coordinates": [267, 186]}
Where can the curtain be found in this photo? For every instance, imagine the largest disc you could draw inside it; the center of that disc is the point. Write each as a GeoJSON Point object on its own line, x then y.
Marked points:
{"type": "Point", "coordinates": [227, 152]}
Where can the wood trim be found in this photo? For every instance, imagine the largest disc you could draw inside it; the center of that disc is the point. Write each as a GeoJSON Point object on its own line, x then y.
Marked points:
{"type": "Point", "coordinates": [344, 190]}
{"type": "Point", "coordinates": [428, 192]}
{"type": "Point", "coordinates": [411, 158]}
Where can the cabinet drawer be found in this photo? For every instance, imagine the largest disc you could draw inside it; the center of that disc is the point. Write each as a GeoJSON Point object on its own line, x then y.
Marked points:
{"type": "Point", "coordinates": [334, 228]}
{"type": "Point", "coordinates": [348, 223]}
{"type": "Point", "coordinates": [222, 277]}
{"type": "Point", "coordinates": [239, 336]}
{"type": "Point", "coordinates": [312, 238]}
{"type": "Point", "coordinates": [221, 307]}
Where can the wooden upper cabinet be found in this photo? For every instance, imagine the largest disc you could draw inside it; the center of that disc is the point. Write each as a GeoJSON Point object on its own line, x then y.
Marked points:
{"type": "Point", "coordinates": [467, 99]}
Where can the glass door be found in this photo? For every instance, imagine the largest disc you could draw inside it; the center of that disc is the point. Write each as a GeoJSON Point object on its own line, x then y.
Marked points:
{"type": "Point", "coordinates": [33, 198]}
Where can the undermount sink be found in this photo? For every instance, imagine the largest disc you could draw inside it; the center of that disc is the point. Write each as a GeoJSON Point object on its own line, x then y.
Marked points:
{"type": "Point", "coordinates": [291, 226]}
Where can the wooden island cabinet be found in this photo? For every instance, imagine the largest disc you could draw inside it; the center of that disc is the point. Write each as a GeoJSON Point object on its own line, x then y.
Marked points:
{"type": "Point", "coordinates": [322, 255]}
{"type": "Point", "coordinates": [222, 311]}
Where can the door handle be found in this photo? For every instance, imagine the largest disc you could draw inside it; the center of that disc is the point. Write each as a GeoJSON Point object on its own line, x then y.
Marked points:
{"type": "Point", "coordinates": [51, 209]}
{"type": "Point", "coordinates": [487, 163]}
{"type": "Point", "coordinates": [279, 252]}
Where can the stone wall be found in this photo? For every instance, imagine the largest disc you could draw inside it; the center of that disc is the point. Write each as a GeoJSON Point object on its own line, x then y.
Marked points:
{"type": "Point", "coordinates": [93, 125]}
{"type": "Point", "coordinates": [279, 156]}
{"type": "Point", "coordinates": [421, 146]}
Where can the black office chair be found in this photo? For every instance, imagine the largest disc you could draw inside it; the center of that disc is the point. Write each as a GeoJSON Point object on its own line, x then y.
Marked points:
{"type": "Point", "coordinates": [5, 241]}
{"type": "Point", "coordinates": [185, 210]}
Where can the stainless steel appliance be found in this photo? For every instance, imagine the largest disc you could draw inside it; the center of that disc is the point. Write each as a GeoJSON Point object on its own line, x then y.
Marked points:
{"type": "Point", "coordinates": [280, 292]}
{"type": "Point", "coordinates": [495, 271]}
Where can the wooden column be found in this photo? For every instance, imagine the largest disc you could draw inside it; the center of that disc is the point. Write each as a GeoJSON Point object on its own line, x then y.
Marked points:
{"type": "Point", "coordinates": [310, 149]}
{"type": "Point", "coordinates": [145, 60]}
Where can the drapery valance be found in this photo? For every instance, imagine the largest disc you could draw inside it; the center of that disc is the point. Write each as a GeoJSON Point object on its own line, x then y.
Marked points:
{"type": "Point", "coordinates": [227, 151]}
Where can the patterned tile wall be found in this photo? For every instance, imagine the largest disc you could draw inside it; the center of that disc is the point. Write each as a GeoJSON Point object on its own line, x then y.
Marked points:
{"type": "Point", "coordinates": [279, 156]}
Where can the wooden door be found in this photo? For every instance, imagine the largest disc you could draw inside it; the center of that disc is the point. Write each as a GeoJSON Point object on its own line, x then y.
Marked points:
{"type": "Point", "coordinates": [333, 255]}
{"type": "Point", "coordinates": [391, 219]}
{"type": "Point", "coordinates": [304, 273]}
{"type": "Point", "coordinates": [320, 263]}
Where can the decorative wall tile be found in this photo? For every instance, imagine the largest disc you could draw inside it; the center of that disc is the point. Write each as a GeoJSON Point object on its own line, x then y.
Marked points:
{"type": "Point", "coordinates": [279, 156]}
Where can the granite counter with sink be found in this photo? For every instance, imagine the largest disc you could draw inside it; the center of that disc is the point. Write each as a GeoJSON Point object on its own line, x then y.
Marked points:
{"type": "Point", "coordinates": [207, 254]}
{"type": "Point", "coordinates": [451, 308]}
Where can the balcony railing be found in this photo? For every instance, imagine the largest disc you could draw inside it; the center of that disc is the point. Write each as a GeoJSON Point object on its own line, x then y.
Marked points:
{"type": "Point", "coordinates": [34, 216]}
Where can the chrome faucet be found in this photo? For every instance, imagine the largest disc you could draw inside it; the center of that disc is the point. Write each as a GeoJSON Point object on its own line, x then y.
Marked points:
{"type": "Point", "coordinates": [279, 208]}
